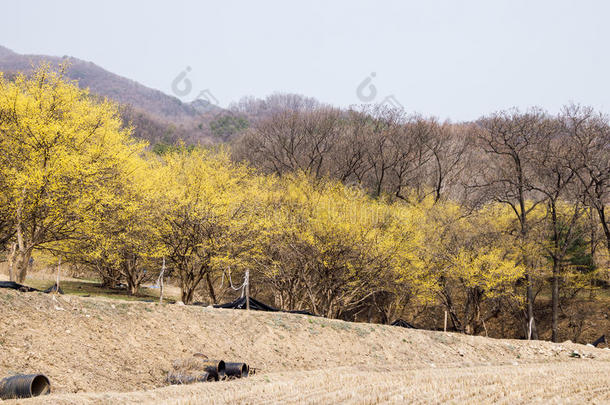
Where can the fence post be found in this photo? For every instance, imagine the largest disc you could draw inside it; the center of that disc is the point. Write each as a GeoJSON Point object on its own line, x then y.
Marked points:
{"type": "Point", "coordinates": [57, 278]}
{"type": "Point", "coordinates": [160, 282]}
{"type": "Point", "coordinates": [247, 290]}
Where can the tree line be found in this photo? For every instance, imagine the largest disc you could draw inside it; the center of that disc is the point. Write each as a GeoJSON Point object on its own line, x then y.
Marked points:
{"type": "Point", "coordinates": [352, 214]}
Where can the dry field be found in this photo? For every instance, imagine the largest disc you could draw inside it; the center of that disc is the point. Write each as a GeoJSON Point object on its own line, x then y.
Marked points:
{"type": "Point", "coordinates": [98, 350]}
{"type": "Point", "coordinates": [577, 383]}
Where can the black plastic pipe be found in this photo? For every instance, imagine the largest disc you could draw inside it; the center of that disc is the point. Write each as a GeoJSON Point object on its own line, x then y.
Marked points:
{"type": "Point", "coordinates": [201, 361]}
{"type": "Point", "coordinates": [24, 386]}
{"type": "Point", "coordinates": [237, 370]}
{"type": "Point", "coordinates": [216, 366]}
{"type": "Point", "coordinates": [196, 369]}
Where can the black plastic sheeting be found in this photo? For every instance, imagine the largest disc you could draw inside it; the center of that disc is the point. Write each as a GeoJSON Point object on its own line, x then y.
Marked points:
{"type": "Point", "coordinates": [24, 288]}
{"type": "Point", "coordinates": [256, 305]}
{"type": "Point", "coordinates": [240, 303]}
{"type": "Point", "coordinates": [602, 339]}
{"type": "Point", "coordinates": [17, 286]}
{"type": "Point", "coordinates": [403, 324]}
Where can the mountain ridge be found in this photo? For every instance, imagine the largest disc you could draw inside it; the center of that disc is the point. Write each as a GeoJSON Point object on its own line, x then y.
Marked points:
{"type": "Point", "coordinates": [166, 117]}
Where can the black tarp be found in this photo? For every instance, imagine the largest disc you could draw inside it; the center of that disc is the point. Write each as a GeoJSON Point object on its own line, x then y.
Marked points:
{"type": "Point", "coordinates": [240, 303]}
{"type": "Point", "coordinates": [24, 288]}
{"type": "Point", "coordinates": [16, 286]}
{"type": "Point", "coordinates": [403, 324]}
{"type": "Point", "coordinates": [602, 339]}
{"type": "Point", "coordinates": [256, 305]}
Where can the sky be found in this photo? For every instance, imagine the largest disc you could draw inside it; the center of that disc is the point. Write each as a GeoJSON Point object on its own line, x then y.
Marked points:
{"type": "Point", "coordinates": [454, 60]}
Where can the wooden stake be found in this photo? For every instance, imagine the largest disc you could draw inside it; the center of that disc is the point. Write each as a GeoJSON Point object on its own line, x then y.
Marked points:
{"type": "Point", "coordinates": [57, 278]}
{"type": "Point", "coordinates": [161, 282]}
{"type": "Point", "coordinates": [445, 327]}
{"type": "Point", "coordinates": [247, 290]}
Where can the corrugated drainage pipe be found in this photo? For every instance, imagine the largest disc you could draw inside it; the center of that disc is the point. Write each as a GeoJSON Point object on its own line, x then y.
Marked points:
{"type": "Point", "coordinates": [217, 366]}
{"type": "Point", "coordinates": [24, 386]}
{"type": "Point", "coordinates": [237, 370]}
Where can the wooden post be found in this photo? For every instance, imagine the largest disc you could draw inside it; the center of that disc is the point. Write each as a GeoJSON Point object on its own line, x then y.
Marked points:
{"type": "Point", "coordinates": [161, 282]}
{"type": "Point", "coordinates": [57, 278]}
{"type": "Point", "coordinates": [247, 281]}
{"type": "Point", "coordinates": [445, 327]}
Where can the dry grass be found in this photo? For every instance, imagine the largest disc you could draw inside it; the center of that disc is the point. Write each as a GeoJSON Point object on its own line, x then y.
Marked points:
{"type": "Point", "coordinates": [98, 350]}
{"type": "Point", "coordinates": [566, 382]}
{"type": "Point", "coordinates": [92, 288]}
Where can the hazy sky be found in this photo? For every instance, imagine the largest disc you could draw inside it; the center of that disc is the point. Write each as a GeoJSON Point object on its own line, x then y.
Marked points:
{"type": "Point", "coordinates": [452, 59]}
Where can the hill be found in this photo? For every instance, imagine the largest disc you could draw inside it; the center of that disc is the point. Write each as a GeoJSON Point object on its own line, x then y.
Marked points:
{"type": "Point", "coordinates": [157, 116]}
{"type": "Point", "coordinates": [98, 350]}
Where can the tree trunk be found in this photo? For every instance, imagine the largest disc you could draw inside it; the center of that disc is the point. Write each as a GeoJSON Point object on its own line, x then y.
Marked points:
{"type": "Point", "coordinates": [555, 299]}
{"type": "Point", "coordinates": [133, 289]}
{"type": "Point", "coordinates": [23, 253]}
{"type": "Point", "coordinates": [187, 295]}
{"type": "Point", "coordinates": [473, 314]}
{"type": "Point", "coordinates": [531, 321]}
{"type": "Point", "coordinates": [22, 264]}
{"type": "Point", "coordinates": [530, 309]}
{"type": "Point", "coordinates": [211, 288]}
{"type": "Point", "coordinates": [132, 276]}
{"type": "Point", "coordinates": [532, 331]}
{"type": "Point", "coordinates": [133, 285]}
{"type": "Point", "coordinates": [466, 329]}
{"type": "Point", "coordinates": [602, 218]}
{"type": "Point", "coordinates": [110, 276]}
{"type": "Point", "coordinates": [109, 282]}
{"type": "Point", "coordinates": [11, 262]}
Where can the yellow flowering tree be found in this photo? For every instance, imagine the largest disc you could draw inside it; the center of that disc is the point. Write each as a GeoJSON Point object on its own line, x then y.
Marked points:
{"type": "Point", "coordinates": [337, 251]}
{"type": "Point", "coordinates": [120, 239]}
{"type": "Point", "coordinates": [59, 146]}
{"type": "Point", "coordinates": [207, 224]}
{"type": "Point", "coordinates": [475, 260]}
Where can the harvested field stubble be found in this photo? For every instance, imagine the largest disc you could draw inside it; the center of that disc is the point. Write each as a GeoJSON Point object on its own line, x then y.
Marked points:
{"type": "Point", "coordinates": [576, 382]}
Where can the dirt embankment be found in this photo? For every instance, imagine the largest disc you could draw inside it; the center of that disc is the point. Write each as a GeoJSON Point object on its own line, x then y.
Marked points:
{"type": "Point", "coordinates": [100, 345]}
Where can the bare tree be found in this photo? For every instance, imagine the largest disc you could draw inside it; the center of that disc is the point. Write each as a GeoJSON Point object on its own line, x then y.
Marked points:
{"type": "Point", "coordinates": [349, 163]}
{"type": "Point", "coordinates": [556, 181]}
{"type": "Point", "coordinates": [377, 147]}
{"type": "Point", "coordinates": [590, 160]}
{"type": "Point", "coordinates": [510, 140]}
{"type": "Point", "coordinates": [292, 140]}
{"type": "Point", "coordinates": [450, 146]}
{"type": "Point", "coordinates": [256, 109]}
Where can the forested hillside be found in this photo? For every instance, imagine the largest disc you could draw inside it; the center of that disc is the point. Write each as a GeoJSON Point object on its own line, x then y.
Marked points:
{"type": "Point", "coordinates": [359, 214]}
